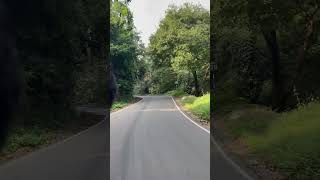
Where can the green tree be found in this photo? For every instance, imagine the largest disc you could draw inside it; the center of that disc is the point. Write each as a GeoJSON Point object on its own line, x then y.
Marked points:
{"type": "Point", "coordinates": [125, 47]}
{"type": "Point", "coordinates": [282, 32]}
{"type": "Point", "coordinates": [182, 43]}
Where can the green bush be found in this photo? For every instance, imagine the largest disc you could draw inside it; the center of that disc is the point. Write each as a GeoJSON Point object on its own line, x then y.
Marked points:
{"type": "Point", "coordinates": [176, 93]}
{"type": "Point", "coordinates": [140, 88]}
{"type": "Point", "coordinates": [121, 103]}
{"type": "Point", "coordinates": [162, 80]}
{"type": "Point", "coordinates": [188, 100]}
{"type": "Point", "coordinates": [198, 105]}
{"type": "Point", "coordinates": [26, 137]}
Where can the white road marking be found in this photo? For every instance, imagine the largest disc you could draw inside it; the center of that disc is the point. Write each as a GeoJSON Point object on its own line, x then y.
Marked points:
{"type": "Point", "coordinates": [243, 173]}
{"type": "Point", "coordinates": [206, 130]}
{"type": "Point", "coordinates": [230, 161]}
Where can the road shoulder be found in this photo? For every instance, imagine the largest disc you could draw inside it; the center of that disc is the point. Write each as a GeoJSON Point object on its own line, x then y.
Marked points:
{"type": "Point", "coordinates": [236, 160]}
{"type": "Point", "coordinates": [201, 122]}
{"type": "Point", "coordinates": [237, 149]}
{"type": "Point", "coordinates": [124, 105]}
{"type": "Point", "coordinates": [86, 117]}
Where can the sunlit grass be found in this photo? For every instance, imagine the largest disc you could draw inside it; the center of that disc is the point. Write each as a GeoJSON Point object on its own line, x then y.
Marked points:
{"type": "Point", "coordinates": [198, 105]}
{"type": "Point", "coordinates": [176, 93]}
{"type": "Point", "coordinates": [119, 105]}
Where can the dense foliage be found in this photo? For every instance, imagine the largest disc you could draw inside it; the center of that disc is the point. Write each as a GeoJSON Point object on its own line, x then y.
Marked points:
{"type": "Point", "coordinates": [199, 106]}
{"type": "Point", "coordinates": [126, 49]}
{"type": "Point", "coordinates": [61, 46]}
{"type": "Point", "coordinates": [179, 51]}
{"type": "Point", "coordinates": [267, 51]}
{"type": "Point", "coordinates": [265, 54]}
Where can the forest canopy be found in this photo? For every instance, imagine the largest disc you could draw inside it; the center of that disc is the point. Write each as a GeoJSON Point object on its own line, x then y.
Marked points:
{"type": "Point", "coordinates": [126, 49]}
{"type": "Point", "coordinates": [267, 51]}
{"type": "Point", "coordinates": [178, 53]}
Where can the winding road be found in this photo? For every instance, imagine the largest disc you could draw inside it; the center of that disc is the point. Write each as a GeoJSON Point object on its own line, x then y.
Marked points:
{"type": "Point", "coordinates": [152, 140]}
{"type": "Point", "coordinates": [149, 140]}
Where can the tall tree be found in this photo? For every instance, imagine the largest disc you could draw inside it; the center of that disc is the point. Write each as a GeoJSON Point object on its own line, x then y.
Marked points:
{"type": "Point", "coordinates": [288, 30]}
{"type": "Point", "coordinates": [125, 47]}
{"type": "Point", "coordinates": [182, 42]}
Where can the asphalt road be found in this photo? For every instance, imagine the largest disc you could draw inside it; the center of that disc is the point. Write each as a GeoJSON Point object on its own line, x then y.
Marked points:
{"type": "Point", "coordinates": [152, 140]}
{"type": "Point", "coordinates": [224, 168]}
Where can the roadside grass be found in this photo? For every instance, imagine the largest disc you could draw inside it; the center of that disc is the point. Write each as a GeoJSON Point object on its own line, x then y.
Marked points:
{"type": "Point", "coordinates": [292, 142]}
{"type": "Point", "coordinates": [40, 129]}
{"type": "Point", "coordinates": [25, 137]}
{"type": "Point", "coordinates": [123, 102]}
{"type": "Point", "coordinates": [119, 105]}
{"type": "Point", "coordinates": [288, 142]}
{"type": "Point", "coordinates": [200, 106]}
{"type": "Point", "coordinates": [176, 93]}
{"type": "Point", "coordinates": [249, 120]}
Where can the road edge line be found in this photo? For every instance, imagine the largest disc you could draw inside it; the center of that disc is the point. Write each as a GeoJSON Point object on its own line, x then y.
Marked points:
{"type": "Point", "coordinates": [230, 161]}
{"type": "Point", "coordinates": [206, 130]}
{"type": "Point", "coordinates": [224, 155]}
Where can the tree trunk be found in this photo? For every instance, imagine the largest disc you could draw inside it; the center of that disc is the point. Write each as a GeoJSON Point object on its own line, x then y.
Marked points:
{"type": "Point", "coordinates": [300, 58]}
{"type": "Point", "coordinates": [196, 84]}
{"type": "Point", "coordinates": [277, 85]}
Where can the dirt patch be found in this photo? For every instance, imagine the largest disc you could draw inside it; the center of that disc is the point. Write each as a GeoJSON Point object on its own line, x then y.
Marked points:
{"type": "Point", "coordinates": [5, 157]}
{"type": "Point", "coordinates": [238, 147]}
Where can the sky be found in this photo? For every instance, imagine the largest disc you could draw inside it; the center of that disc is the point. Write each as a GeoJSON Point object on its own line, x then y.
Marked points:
{"type": "Point", "coordinates": [148, 13]}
